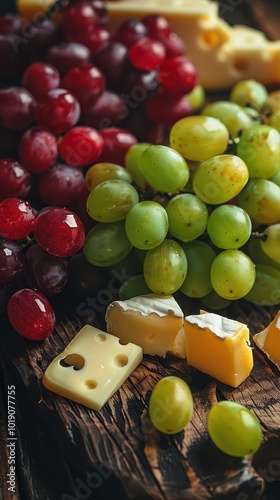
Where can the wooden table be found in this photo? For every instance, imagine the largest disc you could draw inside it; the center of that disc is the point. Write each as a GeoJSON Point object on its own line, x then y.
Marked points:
{"type": "Point", "coordinates": [65, 451]}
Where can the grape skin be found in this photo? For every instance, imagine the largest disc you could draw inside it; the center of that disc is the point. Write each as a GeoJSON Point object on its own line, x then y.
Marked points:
{"type": "Point", "coordinates": [232, 274]}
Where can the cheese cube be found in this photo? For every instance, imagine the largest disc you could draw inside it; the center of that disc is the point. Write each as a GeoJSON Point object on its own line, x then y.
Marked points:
{"type": "Point", "coordinates": [269, 340]}
{"type": "Point", "coordinates": [222, 54]}
{"type": "Point", "coordinates": [149, 321]}
{"type": "Point", "coordinates": [219, 347]}
{"type": "Point", "coordinates": [92, 367]}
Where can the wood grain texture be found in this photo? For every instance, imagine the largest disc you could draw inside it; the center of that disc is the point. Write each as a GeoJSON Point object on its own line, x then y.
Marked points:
{"type": "Point", "coordinates": [68, 452]}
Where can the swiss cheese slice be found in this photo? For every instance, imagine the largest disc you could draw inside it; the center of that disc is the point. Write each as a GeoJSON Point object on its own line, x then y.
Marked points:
{"type": "Point", "coordinates": [92, 367]}
{"type": "Point", "coordinates": [223, 54]}
{"type": "Point", "coordinates": [149, 321]}
{"type": "Point", "coordinates": [219, 347]}
{"type": "Point", "coordinates": [269, 340]}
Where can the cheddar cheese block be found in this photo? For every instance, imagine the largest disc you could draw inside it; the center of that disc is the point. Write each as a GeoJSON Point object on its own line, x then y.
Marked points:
{"type": "Point", "coordinates": [92, 367]}
{"type": "Point", "coordinates": [269, 340]}
{"type": "Point", "coordinates": [154, 323]}
{"type": "Point", "coordinates": [219, 347]}
{"type": "Point", "coordinates": [223, 54]}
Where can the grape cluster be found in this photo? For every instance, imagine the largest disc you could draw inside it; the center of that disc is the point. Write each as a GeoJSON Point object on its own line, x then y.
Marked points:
{"type": "Point", "coordinates": [204, 211]}
{"type": "Point", "coordinates": [72, 94]}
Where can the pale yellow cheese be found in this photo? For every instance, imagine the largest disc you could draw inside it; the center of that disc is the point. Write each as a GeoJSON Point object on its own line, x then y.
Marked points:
{"type": "Point", "coordinates": [269, 340]}
{"type": "Point", "coordinates": [149, 321]}
{"type": "Point", "coordinates": [33, 9]}
{"type": "Point", "coordinates": [219, 347]}
{"type": "Point", "coordinates": [223, 54]}
{"type": "Point", "coordinates": [92, 367]}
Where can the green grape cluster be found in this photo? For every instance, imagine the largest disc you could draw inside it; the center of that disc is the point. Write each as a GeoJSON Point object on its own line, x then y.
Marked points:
{"type": "Point", "coordinates": [202, 214]}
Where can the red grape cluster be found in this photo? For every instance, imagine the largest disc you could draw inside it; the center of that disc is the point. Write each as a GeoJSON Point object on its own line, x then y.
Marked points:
{"type": "Point", "coordinates": [71, 94]}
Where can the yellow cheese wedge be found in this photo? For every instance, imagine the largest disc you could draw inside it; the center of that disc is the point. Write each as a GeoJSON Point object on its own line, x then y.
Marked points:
{"type": "Point", "coordinates": [269, 340]}
{"type": "Point", "coordinates": [92, 367]}
{"type": "Point", "coordinates": [33, 9]}
{"type": "Point", "coordinates": [223, 54]}
{"type": "Point", "coordinates": [219, 347]}
{"type": "Point", "coordinates": [149, 321]}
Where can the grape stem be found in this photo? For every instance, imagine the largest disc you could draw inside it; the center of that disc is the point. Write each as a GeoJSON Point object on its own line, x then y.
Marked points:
{"type": "Point", "coordinates": [259, 236]}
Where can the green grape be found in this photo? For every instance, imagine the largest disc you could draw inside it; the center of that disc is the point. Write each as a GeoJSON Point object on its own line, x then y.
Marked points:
{"type": "Point", "coordinates": [260, 198]}
{"type": "Point", "coordinates": [272, 102]}
{"type": "Point", "coordinates": [111, 201]}
{"type": "Point", "coordinates": [220, 179]}
{"type": "Point", "coordinates": [276, 178]}
{"type": "Point", "coordinates": [164, 168]}
{"type": "Point", "coordinates": [199, 137]}
{"type": "Point", "coordinates": [100, 172]}
{"type": "Point", "coordinates": [249, 93]}
{"type": "Point", "coordinates": [273, 120]}
{"type": "Point", "coordinates": [259, 147]}
{"type": "Point", "coordinates": [233, 116]}
{"type": "Point", "coordinates": [232, 274]}
{"type": "Point", "coordinates": [196, 97]}
{"type": "Point", "coordinates": [255, 251]}
{"type": "Point", "coordinates": [131, 162]}
{"type": "Point", "coordinates": [200, 257]}
{"type": "Point", "coordinates": [266, 289]}
{"type": "Point", "coordinates": [165, 268]}
{"type": "Point", "coordinates": [229, 227]}
{"type": "Point", "coordinates": [171, 405]}
{"type": "Point", "coordinates": [214, 301]}
{"type": "Point", "coordinates": [146, 225]}
{"type": "Point", "coordinates": [234, 429]}
{"type": "Point", "coordinates": [187, 216]}
{"type": "Point", "coordinates": [271, 243]}
{"type": "Point", "coordinates": [106, 244]}
{"type": "Point", "coordinates": [133, 287]}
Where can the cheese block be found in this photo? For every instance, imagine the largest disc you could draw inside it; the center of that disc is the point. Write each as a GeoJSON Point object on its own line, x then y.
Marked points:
{"type": "Point", "coordinates": [92, 367]}
{"type": "Point", "coordinates": [33, 9]}
{"type": "Point", "coordinates": [269, 340]}
{"type": "Point", "coordinates": [219, 347]}
{"type": "Point", "coordinates": [149, 321]}
{"type": "Point", "coordinates": [223, 54]}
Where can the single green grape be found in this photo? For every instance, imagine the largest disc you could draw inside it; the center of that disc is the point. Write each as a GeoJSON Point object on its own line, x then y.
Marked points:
{"type": "Point", "coordinates": [271, 243]}
{"type": "Point", "coordinates": [199, 137]}
{"type": "Point", "coordinates": [171, 405]}
{"type": "Point", "coordinates": [111, 201]}
{"type": "Point", "coordinates": [260, 198]}
{"type": "Point", "coordinates": [187, 216]}
{"type": "Point", "coordinates": [232, 274]}
{"type": "Point", "coordinates": [100, 172]}
{"type": "Point", "coordinates": [229, 227]}
{"type": "Point", "coordinates": [258, 256]}
{"type": "Point", "coordinates": [146, 225]}
{"type": "Point", "coordinates": [131, 162]}
{"type": "Point", "coordinates": [249, 93]}
{"type": "Point", "coordinates": [233, 116]}
{"type": "Point", "coordinates": [196, 97]}
{"type": "Point", "coordinates": [133, 287]}
{"type": "Point", "coordinates": [200, 257]}
{"type": "Point", "coordinates": [164, 169]}
{"type": "Point", "coordinates": [214, 301]}
{"type": "Point", "coordinates": [106, 244]}
{"type": "Point", "coordinates": [220, 179]}
{"type": "Point", "coordinates": [266, 289]}
{"type": "Point", "coordinates": [165, 268]}
{"type": "Point", "coordinates": [259, 148]}
{"type": "Point", "coordinates": [234, 429]}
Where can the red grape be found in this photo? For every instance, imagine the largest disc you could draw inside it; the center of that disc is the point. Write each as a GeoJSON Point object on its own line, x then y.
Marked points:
{"type": "Point", "coordinates": [11, 261]}
{"type": "Point", "coordinates": [38, 149]}
{"type": "Point", "coordinates": [174, 45]}
{"type": "Point", "coordinates": [81, 146]}
{"type": "Point", "coordinates": [16, 108]}
{"type": "Point", "coordinates": [178, 75]}
{"type": "Point", "coordinates": [95, 40]}
{"type": "Point", "coordinates": [31, 314]}
{"type": "Point", "coordinates": [40, 77]}
{"type": "Point", "coordinates": [86, 83]}
{"type": "Point", "coordinates": [58, 110]}
{"type": "Point", "coordinates": [59, 231]}
{"type": "Point", "coordinates": [113, 61]}
{"type": "Point", "coordinates": [15, 180]}
{"type": "Point", "coordinates": [147, 54]}
{"type": "Point", "coordinates": [77, 19]}
{"type": "Point", "coordinates": [130, 31]}
{"type": "Point", "coordinates": [61, 184]}
{"type": "Point", "coordinates": [156, 25]}
{"type": "Point", "coordinates": [116, 143]}
{"type": "Point", "coordinates": [16, 218]}
{"type": "Point", "coordinates": [166, 109]}
{"type": "Point", "coordinates": [108, 110]}
{"type": "Point", "coordinates": [67, 55]}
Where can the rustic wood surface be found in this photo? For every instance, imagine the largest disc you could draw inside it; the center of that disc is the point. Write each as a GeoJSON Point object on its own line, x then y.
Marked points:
{"type": "Point", "coordinates": [68, 452]}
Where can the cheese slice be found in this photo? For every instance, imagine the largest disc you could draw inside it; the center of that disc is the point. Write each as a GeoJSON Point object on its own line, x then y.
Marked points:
{"type": "Point", "coordinates": [92, 367]}
{"type": "Point", "coordinates": [149, 321]}
{"type": "Point", "coordinates": [222, 54]}
{"type": "Point", "coordinates": [219, 347]}
{"type": "Point", "coordinates": [269, 340]}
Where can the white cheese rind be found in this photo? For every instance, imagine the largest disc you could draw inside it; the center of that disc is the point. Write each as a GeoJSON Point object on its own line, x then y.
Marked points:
{"type": "Point", "coordinates": [219, 325]}
{"type": "Point", "coordinates": [107, 365]}
{"type": "Point", "coordinates": [148, 304]}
